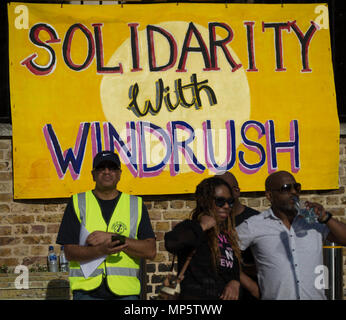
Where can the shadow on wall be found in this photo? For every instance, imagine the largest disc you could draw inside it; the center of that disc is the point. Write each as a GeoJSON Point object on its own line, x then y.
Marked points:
{"type": "Point", "coordinates": [58, 289]}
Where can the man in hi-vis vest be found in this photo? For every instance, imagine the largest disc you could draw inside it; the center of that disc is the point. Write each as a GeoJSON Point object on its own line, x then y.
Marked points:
{"type": "Point", "coordinates": [105, 233]}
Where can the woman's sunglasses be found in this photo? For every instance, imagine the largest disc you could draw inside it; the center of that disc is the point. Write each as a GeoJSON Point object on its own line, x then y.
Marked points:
{"type": "Point", "coordinates": [288, 187]}
{"type": "Point", "coordinates": [220, 202]}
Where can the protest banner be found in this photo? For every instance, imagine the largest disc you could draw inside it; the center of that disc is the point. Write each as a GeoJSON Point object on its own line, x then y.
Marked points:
{"type": "Point", "coordinates": [180, 92]}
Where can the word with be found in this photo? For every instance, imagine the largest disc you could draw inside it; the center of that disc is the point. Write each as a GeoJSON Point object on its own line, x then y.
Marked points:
{"type": "Point", "coordinates": [195, 309]}
{"type": "Point", "coordinates": [195, 87]}
{"type": "Point", "coordinates": [209, 54]}
{"type": "Point", "coordinates": [133, 152]}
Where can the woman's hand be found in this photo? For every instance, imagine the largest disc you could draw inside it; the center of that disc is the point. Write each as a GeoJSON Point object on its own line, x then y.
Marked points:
{"type": "Point", "coordinates": [231, 291]}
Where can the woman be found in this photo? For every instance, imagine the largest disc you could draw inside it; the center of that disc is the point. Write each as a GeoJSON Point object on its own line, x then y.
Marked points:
{"type": "Point", "coordinates": [213, 272]}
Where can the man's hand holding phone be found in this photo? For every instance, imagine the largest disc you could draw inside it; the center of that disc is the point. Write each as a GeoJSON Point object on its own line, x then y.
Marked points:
{"type": "Point", "coordinates": [118, 240]}
{"type": "Point", "coordinates": [108, 243]}
{"type": "Point", "coordinates": [118, 243]}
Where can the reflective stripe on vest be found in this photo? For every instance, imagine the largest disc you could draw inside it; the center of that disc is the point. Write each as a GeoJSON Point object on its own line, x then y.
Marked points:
{"type": "Point", "coordinates": [79, 273]}
{"type": "Point", "coordinates": [133, 217]}
{"type": "Point", "coordinates": [82, 207]}
{"type": "Point", "coordinates": [133, 210]}
{"type": "Point", "coordinates": [118, 277]}
{"type": "Point", "coordinates": [112, 271]}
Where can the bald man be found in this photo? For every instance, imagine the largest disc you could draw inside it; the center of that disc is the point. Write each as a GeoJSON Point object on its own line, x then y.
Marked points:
{"type": "Point", "coordinates": [248, 278]}
{"type": "Point", "coordinates": [288, 249]}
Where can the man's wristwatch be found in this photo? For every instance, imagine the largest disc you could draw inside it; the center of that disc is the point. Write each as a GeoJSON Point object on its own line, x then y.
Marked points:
{"type": "Point", "coordinates": [326, 219]}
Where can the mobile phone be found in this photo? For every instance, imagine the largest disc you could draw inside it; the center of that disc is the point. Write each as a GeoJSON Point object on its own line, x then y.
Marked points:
{"type": "Point", "coordinates": [120, 238]}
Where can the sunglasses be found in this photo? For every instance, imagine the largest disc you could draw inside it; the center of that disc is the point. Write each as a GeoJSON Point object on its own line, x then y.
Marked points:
{"type": "Point", "coordinates": [220, 201]}
{"type": "Point", "coordinates": [288, 187]}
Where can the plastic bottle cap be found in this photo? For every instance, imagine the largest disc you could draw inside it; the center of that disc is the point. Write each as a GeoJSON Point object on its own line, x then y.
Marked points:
{"type": "Point", "coordinates": [51, 247]}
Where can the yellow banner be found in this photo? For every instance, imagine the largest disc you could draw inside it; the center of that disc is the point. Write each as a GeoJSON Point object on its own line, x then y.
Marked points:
{"type": "Point", "coordinates": [180, 92]}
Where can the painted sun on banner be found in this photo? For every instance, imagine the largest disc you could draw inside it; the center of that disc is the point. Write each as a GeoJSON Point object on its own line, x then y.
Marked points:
{"type": "Point", "coordinates": [180, 92]}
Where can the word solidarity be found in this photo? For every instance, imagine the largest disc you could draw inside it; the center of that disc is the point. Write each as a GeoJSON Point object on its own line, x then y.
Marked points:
{"type": "Point", "coordinates": [95, 47]}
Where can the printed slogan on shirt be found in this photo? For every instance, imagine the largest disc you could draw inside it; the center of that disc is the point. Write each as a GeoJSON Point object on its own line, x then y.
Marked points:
{"type": "Point", "coordinates": [180, 92]}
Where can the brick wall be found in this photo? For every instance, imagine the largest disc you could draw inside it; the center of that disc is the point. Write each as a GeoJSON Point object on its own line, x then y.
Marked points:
{"type": "Point", "coordinates": [28, 227]}
{"type": "Point", "coordinates": [41, 286]}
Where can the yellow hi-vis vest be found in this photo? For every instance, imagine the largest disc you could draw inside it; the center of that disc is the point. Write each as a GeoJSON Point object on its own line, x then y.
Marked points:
{"type": "Point", "coordinates": [120, 270]}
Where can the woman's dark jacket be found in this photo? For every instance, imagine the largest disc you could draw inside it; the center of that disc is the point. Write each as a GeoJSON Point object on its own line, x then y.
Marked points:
{"type": "Point", "coordinates": [201, 279]}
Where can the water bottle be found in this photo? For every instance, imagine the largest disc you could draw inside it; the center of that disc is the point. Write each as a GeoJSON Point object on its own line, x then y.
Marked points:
{"type": "Point", "coordinates": [63, 261]}
{"type": "Point", "coordinates": [308, 214]}
{"type": "Point", "coordinates": [52, 260]}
